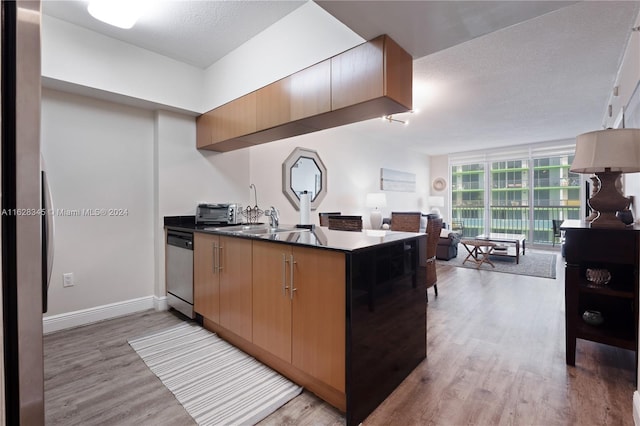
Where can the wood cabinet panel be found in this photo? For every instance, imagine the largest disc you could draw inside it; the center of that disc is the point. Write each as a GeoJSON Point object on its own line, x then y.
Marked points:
{"type": "Point", "coordinates": [310, 91]}
{"type": "Point", "coordinates": [206, 284]}
{"type": "Point", "coordinates": [615, 250]}
{"type": "Point", "coordinates": [398, 82]}
{"type": "Point", "coordinates": [273, 106]}
{"type": "Point", "coordinates": [307, 329]}
{"type": "Point", "coordinates": [235, 285]}
{"type": "Point", "coordinates": [319, 315]}
{"type": "Point", "coordinates": [234, 119]}
{"type": "Point", "coordinates": [368, 81]}
{"type": "Point", "coordinates": [204, 128]}
{"type": "Point", "coordinates": [271, 302]}
{"type": "Point", "coordinates": [357, 75]}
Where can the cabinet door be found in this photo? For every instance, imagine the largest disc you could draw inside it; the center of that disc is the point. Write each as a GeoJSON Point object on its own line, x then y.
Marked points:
{"type": "Point", "coordinates": [357, 75]}
{"type": "Point", "coordinates": [273, 104]}
{"type": "Point", "coordinates": [310, 92]}
{"type": "Point", "coordinates": [271, 299]}
{"type": "Point", "coordinates": [318, 335]}
{"type": "Point", "coordinates": [206, 284]}
{"type": "Point", "coordinates": [235, 285]}
{"type": "Point", "coordinates": [233, 119]}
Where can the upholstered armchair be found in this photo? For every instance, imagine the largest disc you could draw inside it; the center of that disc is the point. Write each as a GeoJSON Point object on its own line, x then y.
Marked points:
{"type": "Point", "coordinates": [447, 245]}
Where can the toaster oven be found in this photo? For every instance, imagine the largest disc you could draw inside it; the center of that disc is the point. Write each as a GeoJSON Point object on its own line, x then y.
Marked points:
{"type": "Point", "coordinates": [218, 214]}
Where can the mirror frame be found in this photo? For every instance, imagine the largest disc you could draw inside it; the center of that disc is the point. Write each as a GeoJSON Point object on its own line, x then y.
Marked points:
{"type": "Point", "coordinates": [291, 160]}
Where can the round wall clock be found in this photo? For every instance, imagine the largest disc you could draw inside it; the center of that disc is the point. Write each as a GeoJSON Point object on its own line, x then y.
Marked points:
{"type": "Point", "coordinates": [439, 184]}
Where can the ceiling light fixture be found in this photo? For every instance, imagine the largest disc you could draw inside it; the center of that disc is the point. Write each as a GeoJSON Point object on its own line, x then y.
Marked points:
{"type": "Point", "coordinates": [119, 13]}
{"type": "Point", "coordinates": [390, 119]}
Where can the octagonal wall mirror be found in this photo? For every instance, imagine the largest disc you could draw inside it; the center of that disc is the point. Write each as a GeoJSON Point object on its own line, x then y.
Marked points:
{"type": "Point", "coordinates": [303, 170]}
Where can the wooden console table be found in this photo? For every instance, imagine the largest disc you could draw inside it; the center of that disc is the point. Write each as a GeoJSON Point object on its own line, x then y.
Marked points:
{"type": "Point", "coordinates": [617, 251]}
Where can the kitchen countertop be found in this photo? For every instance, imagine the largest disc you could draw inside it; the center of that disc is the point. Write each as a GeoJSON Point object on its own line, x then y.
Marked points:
{"type": "Point", "coordinates": [319, 237]}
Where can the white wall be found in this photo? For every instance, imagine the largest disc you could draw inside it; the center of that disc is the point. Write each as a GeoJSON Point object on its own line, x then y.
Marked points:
{"type": "Point", "coordinates": [99, 155]}
{"type": "Point", "coordinates": [183, 176]}
{"type": "Point", "coordinates": [440, 168]}
{"type": "Point", "coordinates": [353, 170]}
{"type": "Point", "coordinates": [78, 56]}
{"type": "Point", "coordinates": [626, 81]}
{"type": "Point", "coordinates": [306, 36]}
{"type": "Point", "coordinates": [105, 155]}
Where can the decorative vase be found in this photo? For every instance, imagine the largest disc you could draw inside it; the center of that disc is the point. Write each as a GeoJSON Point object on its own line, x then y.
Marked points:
{"type": "Point", "coordinates": [593, 317]}
{"type": "Point", "coordinates": [598, 277]}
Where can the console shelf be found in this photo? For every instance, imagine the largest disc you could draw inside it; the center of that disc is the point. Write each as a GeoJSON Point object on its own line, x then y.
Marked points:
{"type": "Point", "coordinates": [617, 251]}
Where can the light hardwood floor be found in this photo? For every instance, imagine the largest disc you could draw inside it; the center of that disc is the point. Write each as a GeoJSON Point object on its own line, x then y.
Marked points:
{"type": "Point", "coordinates": [495, 355]}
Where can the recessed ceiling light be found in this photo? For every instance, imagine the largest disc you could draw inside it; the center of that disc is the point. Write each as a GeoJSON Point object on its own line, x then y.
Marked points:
{"type": "Point", "coordinates": [119, 13]}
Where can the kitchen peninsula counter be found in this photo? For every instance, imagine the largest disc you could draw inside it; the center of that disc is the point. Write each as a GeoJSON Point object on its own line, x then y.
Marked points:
{"type": "Point", "coordinates": [366, 310]}
{"type": "Point", "coordinates": [319, 237]}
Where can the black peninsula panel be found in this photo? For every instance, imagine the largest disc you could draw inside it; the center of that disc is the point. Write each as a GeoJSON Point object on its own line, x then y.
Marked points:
{"type": "Point", "coordinates": [387, 335]}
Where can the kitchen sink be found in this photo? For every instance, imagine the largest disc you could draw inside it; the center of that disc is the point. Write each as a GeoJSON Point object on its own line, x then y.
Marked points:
{"type": "Point", "coordinates": [257, 229]}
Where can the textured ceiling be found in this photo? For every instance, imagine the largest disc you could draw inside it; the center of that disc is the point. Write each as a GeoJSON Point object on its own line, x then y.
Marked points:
{"type": "Point", "coordinates": [486, 74]}
{"type": "Point", "coordinates": [194, 32]}
{"type": "Point", "coordinates": [425, 27]}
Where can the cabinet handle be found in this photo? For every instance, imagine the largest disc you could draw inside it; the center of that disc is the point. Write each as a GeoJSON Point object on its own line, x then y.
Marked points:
{"type": "Point", "coordinates": [220, 258]}
{"type": "Point", "coordinates": [291, 263]}
{"type": "Point", "coordinates": [214, 254]}
{"type": "Point", "coordinates": [284, 275]}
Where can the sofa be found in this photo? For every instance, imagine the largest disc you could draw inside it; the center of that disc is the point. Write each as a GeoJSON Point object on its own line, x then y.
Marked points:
{"type": "Point", "coordinates": [447, 245]}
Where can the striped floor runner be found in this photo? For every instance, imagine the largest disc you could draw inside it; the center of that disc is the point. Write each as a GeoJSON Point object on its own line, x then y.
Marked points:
{"type": "Point", "coordinates": [216, 383]}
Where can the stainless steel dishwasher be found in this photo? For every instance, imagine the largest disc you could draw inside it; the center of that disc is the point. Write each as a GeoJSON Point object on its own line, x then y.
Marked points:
{"type": "Point", "coordinates": [180, 271]}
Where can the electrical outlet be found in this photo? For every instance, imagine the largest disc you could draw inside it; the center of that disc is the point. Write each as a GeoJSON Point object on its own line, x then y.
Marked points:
{"type": "Point", "coordinates": [67, 280]}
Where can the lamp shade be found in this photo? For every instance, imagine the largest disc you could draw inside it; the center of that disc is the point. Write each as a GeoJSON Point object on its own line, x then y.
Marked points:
{"type": "Point", "coordinates": [617, 149]}
{"type": "Point", "coordinates": [376, 200]}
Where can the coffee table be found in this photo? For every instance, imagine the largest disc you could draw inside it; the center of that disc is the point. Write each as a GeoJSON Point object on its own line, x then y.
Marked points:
{"type": "Point", "coordinates": [517, 240]}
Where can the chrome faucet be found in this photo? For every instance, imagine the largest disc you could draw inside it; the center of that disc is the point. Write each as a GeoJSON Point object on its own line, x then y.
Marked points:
{"type": "Point", "coordinates": [274, 217]}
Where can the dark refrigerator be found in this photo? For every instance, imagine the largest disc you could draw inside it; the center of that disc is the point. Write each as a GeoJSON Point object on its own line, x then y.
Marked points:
{"type": "Point", "coordinates": [21, 225]}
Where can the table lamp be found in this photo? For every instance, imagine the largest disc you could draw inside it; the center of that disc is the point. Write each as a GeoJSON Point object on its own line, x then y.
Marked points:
{"type": "Point", "coordinates": [376, 200]}
{"type": "Point", "coordinates": [608, 153]}
{"type": "Point", "coordinates": [435, 202]}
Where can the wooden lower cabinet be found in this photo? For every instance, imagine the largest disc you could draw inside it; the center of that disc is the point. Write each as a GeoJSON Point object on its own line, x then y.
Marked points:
{"type": "Point", "coordinates": [235, 285]}
{"type": "Point", "coordinates": [318, 324]}
{"type": "Point", "coordinates": [222, 281]}
{"type": "Point", "coordinates": [271, 299]}
{"type": "Point", "coordinates": [206, 280]}
{"type": "Point", "coordinates": [299, 308]}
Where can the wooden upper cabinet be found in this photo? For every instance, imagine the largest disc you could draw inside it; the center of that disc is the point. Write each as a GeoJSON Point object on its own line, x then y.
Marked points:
{"type": "Point", "coordinates": [369, 80]}
{"type": "Point", "coordinates": [234, 119]}
{"type": "Point", "coordinates": [311, 91]}
{"type": "Point", "coordinates": [301, 95]}
{"type": "Point", "coordinates": [357, 75]}
{"type": "Point", "coordinates": [227, 122]}
{"type": "Point", "coordinates": [273, 105]}
{"type": "Point", "coordinates": [379, 68]}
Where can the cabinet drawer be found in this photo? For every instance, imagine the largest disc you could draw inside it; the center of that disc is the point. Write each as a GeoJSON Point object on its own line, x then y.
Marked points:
{"type": "Point", "coordinates": [601, 245]}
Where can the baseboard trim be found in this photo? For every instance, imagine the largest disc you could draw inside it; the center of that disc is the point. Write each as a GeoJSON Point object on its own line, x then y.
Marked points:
{"type": "Point", "coordinates": [636, 408]}
{"type": "Point", "coordinates": [160, 303]}
{"type": "Point", "coordinates": [87, 316]}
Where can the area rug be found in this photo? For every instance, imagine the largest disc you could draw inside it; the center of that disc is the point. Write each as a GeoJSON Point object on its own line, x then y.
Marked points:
{"type": "Point", "coordinates": [216, 383]}
{"type": "Point", "coordinates": [532, 263]}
